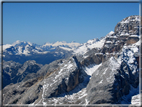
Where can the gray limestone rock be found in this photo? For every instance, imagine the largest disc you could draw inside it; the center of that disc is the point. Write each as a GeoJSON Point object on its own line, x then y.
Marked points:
{"type": "Point", "coordinates": [111, 81]}
{"type": "Point", "coordinates": [14, 72]}
{"type": "Point", "coordinates": [100, 88]}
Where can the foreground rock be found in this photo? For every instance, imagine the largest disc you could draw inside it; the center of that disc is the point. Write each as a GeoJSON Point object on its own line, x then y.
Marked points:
{"type": "Point", "coordinates": [114, 79]}
{"type": "Point", "coordinates": [65, 77]}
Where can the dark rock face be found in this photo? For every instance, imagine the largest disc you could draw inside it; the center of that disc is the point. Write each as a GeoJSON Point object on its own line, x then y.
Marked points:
{"type": "Point", "coordinates": [10, 69]}
{"type": "Point", "coordinates": [97, 59]}
{"type": "Point", "coordinates": [132, 40]}
{"type": "Point", "coordinates": [14, 72]}
{"type": "Point", "coordinates": [130, 65]}
{"type": "Point", "coordinates": [126, 31]}
{"type": "Point", "coordinates": [115, 45]}
{"type": "Point", "coordinates": [65, 79]}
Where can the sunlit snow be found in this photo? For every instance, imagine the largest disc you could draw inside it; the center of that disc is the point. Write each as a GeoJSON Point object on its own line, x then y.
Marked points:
{"type": "Point", "coordinates": [91, 69]}
{"type": "Point", "coordinates": [89, 45]}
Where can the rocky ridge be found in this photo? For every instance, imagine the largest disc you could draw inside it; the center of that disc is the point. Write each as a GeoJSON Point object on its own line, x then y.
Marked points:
{"type": "Point", "coordinates": [15, 72]}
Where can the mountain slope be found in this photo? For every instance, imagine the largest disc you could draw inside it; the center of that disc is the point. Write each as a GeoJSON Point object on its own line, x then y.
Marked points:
{"type": "Point", "coordinates": [94, 43]}
{"type": "Point", "coordinates": [15, 72]}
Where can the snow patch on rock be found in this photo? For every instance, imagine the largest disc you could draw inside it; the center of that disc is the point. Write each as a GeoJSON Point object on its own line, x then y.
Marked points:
{"type": "Point", "coordinates": [91, 69]}
{"type": "Point", "coordinates": [95, 43]}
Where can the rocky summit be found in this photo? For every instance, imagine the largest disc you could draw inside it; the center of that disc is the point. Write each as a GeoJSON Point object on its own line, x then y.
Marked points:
{"type": "Point", "coordinates": [101, 71]}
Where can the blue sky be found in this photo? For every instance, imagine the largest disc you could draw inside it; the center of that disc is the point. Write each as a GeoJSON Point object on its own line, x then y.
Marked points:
{"type": "Point", "coordinates": [51, 22]}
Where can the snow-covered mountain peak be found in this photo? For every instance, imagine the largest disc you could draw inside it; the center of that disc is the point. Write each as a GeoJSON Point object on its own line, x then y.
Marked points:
{"type": "Point", "coordinates": [92, 41]}
{"type": "Point", "coordinates": [47, 44]}
{"type": "Point", "coordinates": [17, 42]}
{"type": "Point", "coordinates": [21, 43]}
{"type": "Point", "coordinates": [90, 44]}
{"type": "Point", "coordinates": [130, 18]}
{"type": "Point", "coordinates": [5, 47]}
{"type": "Point", "coordinates": [30, 43]}
{"type": "Point", "coordinates": [128, 25]}
{"type": "Point", "coordinates": [58, 43]}
{"type": "Point", "coordinates": [62, 44]}
{"type": "Point", "coordinates": [110, 33]}
{"type": "Point", "coordinates": [29, 49]}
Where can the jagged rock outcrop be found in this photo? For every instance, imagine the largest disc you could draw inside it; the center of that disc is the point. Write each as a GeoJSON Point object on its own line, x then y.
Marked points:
{"type": "Point", "coordinates": [23, 92]}
{"type": "Point", "coordinates": [126, 32]}
{"type": "Point", "coordinates": [128, 25]}
{"type": "Point", "coordinates": [113, 79]}
{"type": "Point", "coordinates": [100, 88]}
{"type": "Point", "coordinates": [132, 39]}
{"type": "Point", "coordinates": [15, 72]}
{"type": "Point", "coordinates": [93, 59]}
{"type": "Point", "coordinates": [10, 69]}
{"type": "Point", "coordinates": [64, 76]}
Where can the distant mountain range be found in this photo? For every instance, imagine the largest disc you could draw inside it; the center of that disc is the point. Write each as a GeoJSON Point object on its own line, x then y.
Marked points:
{"type": "Point", "coordinates": [100, 71]}
{"type": "Point", "coordinates": [27, 48]}
{"type": "Point", "coordinates": [21, 51]}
